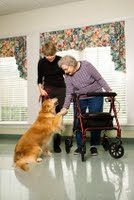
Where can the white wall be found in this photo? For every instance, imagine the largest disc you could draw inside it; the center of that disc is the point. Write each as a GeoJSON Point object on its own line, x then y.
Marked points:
{"type": "Point", "coordinates": [70, 15]}
{"type": "Point", "coordinates": [130, 69]}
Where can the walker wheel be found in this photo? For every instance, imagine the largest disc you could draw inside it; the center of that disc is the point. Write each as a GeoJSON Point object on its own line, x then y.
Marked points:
{"type": "Point", "coordinates": [115, 150]}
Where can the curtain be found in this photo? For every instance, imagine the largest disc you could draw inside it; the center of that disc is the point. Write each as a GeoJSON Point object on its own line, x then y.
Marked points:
{"type": "Point", "coordinates": [109, 34]}
{"type": "Point", "coordinates": [15, 47]}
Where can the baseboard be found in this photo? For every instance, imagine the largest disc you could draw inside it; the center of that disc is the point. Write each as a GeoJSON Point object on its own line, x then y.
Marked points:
{"type": "Point", "coordinates": [10, 136]}
{"type": "Point", "coordinates": [128, 140]}
{"type": "Point", "coordinates": [124, 140]}
{"type": "Point", "coordinates": [17, 136]}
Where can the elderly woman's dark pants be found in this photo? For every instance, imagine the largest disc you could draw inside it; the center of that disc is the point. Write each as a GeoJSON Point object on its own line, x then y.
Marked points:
{"type": "Point", "coordinates": [94, 104]}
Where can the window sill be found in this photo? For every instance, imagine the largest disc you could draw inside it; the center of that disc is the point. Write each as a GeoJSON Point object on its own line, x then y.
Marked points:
{"type": "Point", "coordinates": [14, 124]}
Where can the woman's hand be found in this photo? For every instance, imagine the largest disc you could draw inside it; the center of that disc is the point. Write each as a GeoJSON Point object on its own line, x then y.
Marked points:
{"type": "Point", "coordinates": [43, 93]}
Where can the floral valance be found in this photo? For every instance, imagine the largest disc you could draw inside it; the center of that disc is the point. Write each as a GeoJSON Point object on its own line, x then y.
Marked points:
{"type": "Point", "coordinates": [109, 34]}
{"type": "Point", "coordinates": [15, 47]}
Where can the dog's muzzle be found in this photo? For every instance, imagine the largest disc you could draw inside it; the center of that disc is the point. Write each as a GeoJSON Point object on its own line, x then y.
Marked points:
{"type": "Point", "coordinates": [55, 101]}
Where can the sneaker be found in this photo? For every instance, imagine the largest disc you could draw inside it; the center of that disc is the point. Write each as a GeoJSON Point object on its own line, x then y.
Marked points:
{"type": "Point", "coordinates": [77, 151]}
{"type": "Point", "coordinates": [93, 151]}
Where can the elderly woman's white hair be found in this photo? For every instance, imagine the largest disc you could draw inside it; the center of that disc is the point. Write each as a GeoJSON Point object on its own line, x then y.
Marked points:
{"type": "Point", "coordinates": [68, 60]}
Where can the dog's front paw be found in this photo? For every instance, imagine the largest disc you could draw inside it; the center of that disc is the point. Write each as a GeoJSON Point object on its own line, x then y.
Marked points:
{"type": "Point", "coordinates": [39, 160]}
{"type": "Point", "coordinates": [63, 111]}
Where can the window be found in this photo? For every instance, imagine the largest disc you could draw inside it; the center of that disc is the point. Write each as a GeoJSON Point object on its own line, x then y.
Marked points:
{"type": "Point", "coordinates": [13, 92]}
{"type": "Point", "coordinates": [100, 57]}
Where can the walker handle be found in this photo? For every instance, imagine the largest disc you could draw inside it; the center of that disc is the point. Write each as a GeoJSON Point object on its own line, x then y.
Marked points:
{"type": "Point", "coordinates": [91, 94]}
{"type": "Point", "coordinates": [103, 94]}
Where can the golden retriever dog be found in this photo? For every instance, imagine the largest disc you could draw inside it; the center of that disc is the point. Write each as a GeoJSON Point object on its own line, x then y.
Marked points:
{"type": "Point", "coordinates": [35, 141]}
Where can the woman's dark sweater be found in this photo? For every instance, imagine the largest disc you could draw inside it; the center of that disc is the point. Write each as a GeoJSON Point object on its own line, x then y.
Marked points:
{"type": "Point", "coordinates": [49, 73]}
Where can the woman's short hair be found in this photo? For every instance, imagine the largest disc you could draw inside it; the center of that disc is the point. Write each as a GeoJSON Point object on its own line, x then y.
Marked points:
{"type": "Point", "coordinates": [68, 60]}
{"type": "Point", "coordinates": [49, 49]}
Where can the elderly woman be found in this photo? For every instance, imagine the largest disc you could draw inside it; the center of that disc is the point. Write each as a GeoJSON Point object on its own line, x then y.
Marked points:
{"type": "Point", "coordinates": [82, 77]}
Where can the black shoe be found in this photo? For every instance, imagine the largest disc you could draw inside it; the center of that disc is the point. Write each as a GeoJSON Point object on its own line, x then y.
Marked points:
{"type": "Point", "coordinates": [57, 139]}
{"type": "Point", "coordinates": [57, 149]}
{"type": "Point", "coordinates": [93, 151]}
{"type": "Point", "coordinates": [57, 142]}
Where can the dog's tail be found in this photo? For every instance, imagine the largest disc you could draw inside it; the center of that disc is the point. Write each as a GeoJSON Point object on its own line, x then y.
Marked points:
{"type": "Point", "coordinates": [22, 165]}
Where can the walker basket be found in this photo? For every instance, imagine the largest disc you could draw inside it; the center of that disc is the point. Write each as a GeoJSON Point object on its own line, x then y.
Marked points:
{"type": "Point", "coordinates": [98, 120]}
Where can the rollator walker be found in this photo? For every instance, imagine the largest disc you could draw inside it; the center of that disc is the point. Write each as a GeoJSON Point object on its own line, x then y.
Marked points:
{"type": "Point", "coordinates": [98, 121]}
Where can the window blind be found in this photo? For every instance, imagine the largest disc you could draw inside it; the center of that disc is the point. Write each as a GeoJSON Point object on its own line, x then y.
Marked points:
{"type": "Point", "coordinates": [13, 92]}
{"type": "Point", "coordinates": [101, 59]}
